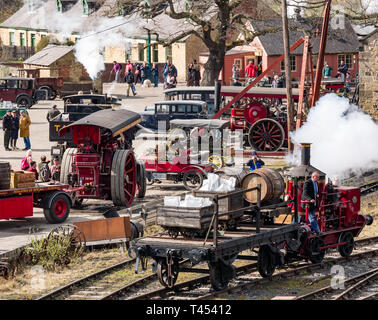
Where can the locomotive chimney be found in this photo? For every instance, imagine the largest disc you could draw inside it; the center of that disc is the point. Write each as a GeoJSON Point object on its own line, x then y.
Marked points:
{"type": "Point", "coordinates": [305, 154]}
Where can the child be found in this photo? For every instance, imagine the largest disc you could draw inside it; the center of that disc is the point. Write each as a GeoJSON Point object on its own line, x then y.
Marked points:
{"type": "Point", "coordinates": [33, 168]}
{"type": "Point", "coordinates": [44, 170]}
{"type": "Point", "coordinates": [26, 161]}
{"type": "Point", "coordinates": [55, 169]}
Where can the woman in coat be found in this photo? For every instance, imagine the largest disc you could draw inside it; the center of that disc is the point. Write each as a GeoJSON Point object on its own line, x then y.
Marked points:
{"type": "Point", "coordinates": [24, 129]}
{"type": "Point", "coordinates": [14, 130]}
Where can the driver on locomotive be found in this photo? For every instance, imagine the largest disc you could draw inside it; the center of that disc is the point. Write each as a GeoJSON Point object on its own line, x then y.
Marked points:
{"type": "Point", "coordinates": [310, 194]}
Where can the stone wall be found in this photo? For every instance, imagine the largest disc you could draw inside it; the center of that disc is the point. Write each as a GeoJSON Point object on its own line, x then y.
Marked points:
{"type": "Point", "coordinates": [369, 76]}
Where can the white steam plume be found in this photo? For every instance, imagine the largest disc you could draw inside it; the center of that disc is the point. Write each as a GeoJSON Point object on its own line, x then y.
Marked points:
{"type": "Point", "coordinates": [343, 137]}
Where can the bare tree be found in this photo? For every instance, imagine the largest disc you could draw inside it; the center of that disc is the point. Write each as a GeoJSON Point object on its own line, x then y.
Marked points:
{"type": "Point", "coordinates": [220, 24]}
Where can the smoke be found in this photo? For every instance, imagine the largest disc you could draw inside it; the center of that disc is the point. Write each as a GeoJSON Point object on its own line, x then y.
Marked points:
{"type": "Point", "coordinates": [344, 138]}
{"type": "Point", "coordinates": [96, 32]}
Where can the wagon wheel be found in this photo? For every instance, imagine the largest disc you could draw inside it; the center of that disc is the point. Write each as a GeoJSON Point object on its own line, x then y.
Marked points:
{"type": "Point", "coordinates": [314, 253]}
{"type": "Point", "coordinates": [192, 180]}
{"type": "Point", "coordinates": [266, 135]}
{"type": "Point", "coordinates": [167, 277]}
{"type": "Point", "coordinates": [222, 225]}
{"type": "Point", "coordinates": [347, 249]}
{"type": "Point", "coordinates": [216, 160]}
{"type": "Point", "coordinates": [123, 178]}
{"type": "Point", "coordinates": [265, 263]}
{"type": "Point", "coordinates": [77, 237]}
{"type": "Point", "coordinates": [220, 274]}
{"type": "Point", "coordinates": [6, 269]}
{"type": "Point", "coordinates": [173, 233]}
{"type": "Point", "coordinates": [188, 234]}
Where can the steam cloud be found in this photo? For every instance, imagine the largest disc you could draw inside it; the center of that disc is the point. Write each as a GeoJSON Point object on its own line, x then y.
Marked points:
{"type": "Point", "coordinates": [344, 138]}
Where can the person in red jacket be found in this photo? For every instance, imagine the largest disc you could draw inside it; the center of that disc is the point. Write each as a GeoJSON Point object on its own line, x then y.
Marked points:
{"type": "Point", "coordinates": [251, 72]}
{"type": "Point", "coordinates": [33, 168]}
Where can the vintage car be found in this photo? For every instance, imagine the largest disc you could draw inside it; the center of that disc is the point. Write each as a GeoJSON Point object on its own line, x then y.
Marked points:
{"type": "Point", "coordinates": [20, 91]}
{"type": "Point", "coordinates": [164, 111]}
{"type": "Point", "coordinates": [90, 99]}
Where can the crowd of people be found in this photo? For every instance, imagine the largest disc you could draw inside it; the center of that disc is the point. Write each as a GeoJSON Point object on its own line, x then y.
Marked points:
{"type": "Point", "coordinates": [45, 170]}
{"type": "Point", "coordinates": [14, 125]}
{"type": "Point", "coordinates": [135, 73]}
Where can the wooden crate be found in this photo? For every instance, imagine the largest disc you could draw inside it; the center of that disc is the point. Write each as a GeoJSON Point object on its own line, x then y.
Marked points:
{"type": "Point", "coordinates": [231, 203]}
{"type": "Point", "coordinates": [22, 179]}
{"type": "Point", "coordinates": [183, 217]}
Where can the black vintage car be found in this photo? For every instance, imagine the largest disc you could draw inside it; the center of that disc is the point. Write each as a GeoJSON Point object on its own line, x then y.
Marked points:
{"type": "Point", "coordinates": [158, 117]}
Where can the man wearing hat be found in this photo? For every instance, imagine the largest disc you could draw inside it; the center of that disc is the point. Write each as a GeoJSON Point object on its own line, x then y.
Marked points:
{"type": "Point", "coordinates": [255, 162]}
{"type": "Point", "coordinates": [7, 126]}
{"type": "Point", "coordinates": [52, 113]}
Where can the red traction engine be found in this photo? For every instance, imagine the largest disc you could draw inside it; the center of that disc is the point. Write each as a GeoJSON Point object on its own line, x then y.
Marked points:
{"type": "Point", "coordinates": [264, 129]}
{"type": "Point", "coordinates": [338, 214]}
{"type": "Point", "coordinates": [103, 161]}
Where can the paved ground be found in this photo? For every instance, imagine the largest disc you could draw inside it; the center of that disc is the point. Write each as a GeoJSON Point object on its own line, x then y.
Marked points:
{"type": "Point", "coordinates": [16, 233]}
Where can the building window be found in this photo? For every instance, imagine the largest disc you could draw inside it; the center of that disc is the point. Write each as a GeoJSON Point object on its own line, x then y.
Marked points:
{"type": "Point", "coordinates": [140, 51]}
{"type": "Point", "coordinates": [33, 40]}
{"type": "Point", "coordinates": [59, 5]}
{"type": "Point", "coordinates": [168, 53]}
{"type": "Point", "coordinates": [155, 53]}
{"type": "Point", "coordinates": [347, 58]}
{"type": "Point", "coordinates": [293, 63]}
{"type": "Point", "coordinates": [11, 38]}
{"type": "Point", "coordinates": [22, 39]}
{"type": "Point", "coordinates": [85, 7]}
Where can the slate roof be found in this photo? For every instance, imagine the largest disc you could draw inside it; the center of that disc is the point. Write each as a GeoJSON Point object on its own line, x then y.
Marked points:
{"type": "Point", "coordinates": [48, 55]}
{"type": "Point", "coordinates": [338, 40]}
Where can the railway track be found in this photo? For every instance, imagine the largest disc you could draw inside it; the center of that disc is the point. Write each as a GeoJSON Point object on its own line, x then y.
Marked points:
{"type": "Point", "coordinates": [368, 188]}
{"type": "Point", "coordinates": [356, 283]}
{"type": "Point", "coordinates": [192, 289]}
{"type": "Point", "coordinates": [105, 284]}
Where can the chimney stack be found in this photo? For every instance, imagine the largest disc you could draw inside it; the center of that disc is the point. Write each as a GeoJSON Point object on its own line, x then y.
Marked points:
{"type": "Point", "coordinates": [305, 154]}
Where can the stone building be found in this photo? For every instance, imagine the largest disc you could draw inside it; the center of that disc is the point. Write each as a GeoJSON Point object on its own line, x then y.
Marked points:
{"type": "Point", "coordinates": [65, 21]}
{"type": "Point", "coordinates": [368, 76]}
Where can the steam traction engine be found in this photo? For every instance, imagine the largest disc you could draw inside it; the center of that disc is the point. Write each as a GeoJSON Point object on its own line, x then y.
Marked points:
{"type": "Point", "coordinates": [103, 162]}
{"type": "Point", "coordinates": [338, 214]}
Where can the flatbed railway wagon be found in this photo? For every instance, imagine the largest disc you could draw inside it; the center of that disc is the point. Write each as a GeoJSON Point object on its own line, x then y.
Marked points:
{"type": "Point", "coordinates": [221, 250]}
{"type": "Point", "coordinates": [54, 199]}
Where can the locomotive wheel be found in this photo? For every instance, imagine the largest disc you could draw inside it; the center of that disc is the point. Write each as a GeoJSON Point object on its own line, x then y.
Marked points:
{"type": "Point", "coordinates": [142, 179]}
{"type": "Point", "coordinates": [266, 135]}
{"type": "Point", "coordinates": [123, 178]}
{"type": "Point", "coordinates": [266, 262]}
{"type": "Point", "coordinates": [57, 207]}
{"type": "Point", "coordinates": [66, 166]}
{"type": "Point", "coordinates": [166, 279]}
{"type": "Point", "coordinates": [347, 249]}
{"type": "Point", "coordinates": [314, 253]}
{"type": "Point", "coordinates": [192, 180]}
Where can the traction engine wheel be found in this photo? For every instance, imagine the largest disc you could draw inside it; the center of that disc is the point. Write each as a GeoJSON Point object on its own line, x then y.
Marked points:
{"type": "Point", "coordinates": [192, 180]}
{"type": "Point", "coordinates": [266, 135]}
{"type": "Point", "coordinates": [216, 160]}
{"type": "Point", "coordinates": [266, 262]}
{"type": "Point", "coordinates": [347, 249]}
{"type": "Point", "coordinates": [66, 166]}
{"type": "Point", "coordinates": [123, 178]}
{"type": "Point", "coordinates": [142, 179]}
{"type": "Point", "coordinates": [167, 276]}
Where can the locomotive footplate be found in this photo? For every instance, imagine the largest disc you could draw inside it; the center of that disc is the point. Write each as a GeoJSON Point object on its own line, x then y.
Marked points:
{"type": "Point", "coordinates": [168, 252]}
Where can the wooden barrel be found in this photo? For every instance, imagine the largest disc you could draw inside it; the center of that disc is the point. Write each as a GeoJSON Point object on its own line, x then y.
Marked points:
{"type": "Point", "coordinates": [251, 180]}
{"type": "Point", "coordinates": [227, 173]}
{"type": "Point", "coordinates": [5, 175]}
{"type": "Point", "coordinates": [272, 184]}
{"type": "Point", "coordinates": [277, 181]}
